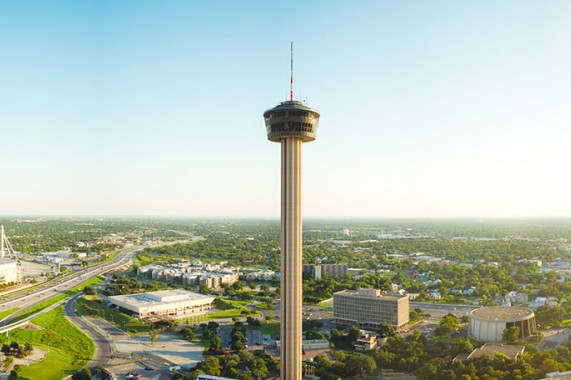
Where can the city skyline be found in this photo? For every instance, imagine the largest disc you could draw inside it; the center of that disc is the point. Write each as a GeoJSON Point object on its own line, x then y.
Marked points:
{"type": "Point", "coordinates": [443, 109]}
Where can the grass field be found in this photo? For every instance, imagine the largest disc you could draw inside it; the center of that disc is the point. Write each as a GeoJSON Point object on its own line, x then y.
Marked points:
{"type": "Point", "coordinates": [229, 308]}
{"type": "Point", "coordinates": [272, 329]}
{"type": "Point", "coordinates": [123, 321]}
{"type": "Point", "coordinates": [69, 348]}
{"type": "Point", "coordinates": [6, 313]}
{"type": "Point", "coordinates": [51, 301]}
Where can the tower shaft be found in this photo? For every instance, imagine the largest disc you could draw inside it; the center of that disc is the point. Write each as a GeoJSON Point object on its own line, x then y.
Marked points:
{"type": "Point", "coordinates": [291, 260]}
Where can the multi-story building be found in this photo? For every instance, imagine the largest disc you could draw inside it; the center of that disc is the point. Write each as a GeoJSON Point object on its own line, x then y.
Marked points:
{"type": "Point", "coordinates": [189, 274]}
{"type": "Point", "coordinates": [326, 270]}
{"type": "Point", "coordinates": [368, 308]}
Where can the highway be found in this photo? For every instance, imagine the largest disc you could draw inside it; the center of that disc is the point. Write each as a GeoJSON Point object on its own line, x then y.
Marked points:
{"type": "Point", "coordinates": [43, 293]}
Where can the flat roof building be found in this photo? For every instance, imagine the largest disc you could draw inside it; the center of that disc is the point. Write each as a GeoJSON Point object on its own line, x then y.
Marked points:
{"type": "Point", "coordinates": [8, 271]}
{"type": "Point", "coordinates": [368, 308]}
{"type": "Point", "coordinates": [170, 303]}
{"type": "Point", "coordinates": [488, 323]}
{"type": "Point", "coordinates": [513, 352]}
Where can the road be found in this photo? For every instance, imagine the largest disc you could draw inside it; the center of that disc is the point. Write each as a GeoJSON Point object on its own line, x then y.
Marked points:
{"type": "Point", "coordinates": [439, 310]}
{"type": "Point", "coordinates": [103, 349]}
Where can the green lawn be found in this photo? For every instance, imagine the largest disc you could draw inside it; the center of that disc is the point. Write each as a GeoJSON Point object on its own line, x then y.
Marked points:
{"type": "Point", "coordinates": [230, 308]}
{"type": "Point", "coordinates": [6, 313]}
{"type": "Point", "coordinates": [272, 329]}
{"type": "Point", "coordinates": [226, 304]}
{"type": "Point", "coordinates": [51, 301]}
{"type": "Point", "coordinates": [70, 349]}
{"type": "Point", "coordinates": [123, 321]}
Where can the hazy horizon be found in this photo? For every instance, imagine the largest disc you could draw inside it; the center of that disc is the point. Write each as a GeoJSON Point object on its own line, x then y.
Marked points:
{"type": "Point", "coordinates": [429, 110]}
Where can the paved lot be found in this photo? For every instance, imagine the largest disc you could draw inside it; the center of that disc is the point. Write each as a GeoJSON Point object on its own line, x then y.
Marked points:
{"type": "Point", "coordinates": [30, 269]}
{"type": "Point", "coordinates": [253, 337]}
{"type": "Point", "coordinates": [225, 333]}
{"type": "Point", "coordinates": [554, 338]}
{"type": "Point", "coordinates": [168, 346]}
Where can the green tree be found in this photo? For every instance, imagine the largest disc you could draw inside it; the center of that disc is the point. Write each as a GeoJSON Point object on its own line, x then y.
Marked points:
{"type": "Point", "coordinates": [153, 335]}
{"type": "Point", "coordinates": [462, 346]}
{"type": "Point", "coordinates": [215, 343]}
{"type": "Point", "coordinates": [82, 374]}
{"type": "Point", "coordinates": [511, 334]}
{"type": "Point", "coordinates": [245, 356]}
{"type": "Point", "coordinates": [210, 366]}
{"type": "Point", "coordinates": [354, 334]}
{"type": "Point", "coordinates": [259, 368]}
{"type": "Point", "coordinates": [246, 376]}
{"type": "Point", "coordinates": [386, 330]}
{"type": "Point", "coordinates": [189, 334]}
{"type": "Point", "coordinates": [362, 364]}
{"type": "Point", "coordinates": [89, 290]}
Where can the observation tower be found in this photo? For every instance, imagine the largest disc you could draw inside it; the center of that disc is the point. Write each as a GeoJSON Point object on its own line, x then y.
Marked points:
{"type": "Point", "coordinates": [291, 123]}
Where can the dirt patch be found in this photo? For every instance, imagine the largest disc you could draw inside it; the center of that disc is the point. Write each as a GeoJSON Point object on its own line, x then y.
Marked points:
{"type": "Point", "coordinates": [31, 326]}
{"type": "Point", "coordinates": [37, 355]}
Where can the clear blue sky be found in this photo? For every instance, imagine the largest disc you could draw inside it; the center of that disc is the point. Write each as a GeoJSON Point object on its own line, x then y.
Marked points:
{"type": "Point", "coordinates": [429, 108]}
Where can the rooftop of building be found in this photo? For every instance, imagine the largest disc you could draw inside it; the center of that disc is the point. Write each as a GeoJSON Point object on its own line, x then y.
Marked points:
{"type": "Point", "coordinates": [290, 105]}
{"type": "Point", "coordinates": [161, 297]}
{"type": "Point", "coordinates": [491, 349]}
{"type": "Point", "coordinates": [371, 293]}
{"type": "Point", "coordinates": [6, 260]}
{"type": "Point", "coordinates": [501, 313]}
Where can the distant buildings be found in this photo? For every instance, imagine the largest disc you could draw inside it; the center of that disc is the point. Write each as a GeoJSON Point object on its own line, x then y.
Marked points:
{"type": "Point", "coordinates": [262, 275]}
{"type": "Point", "coordinates": [166, 303]}
{"type": "Point", "coordinates": [515, 299]}
{"type": "Point", "coordinates": [543, 301]}
{"type": "Point", "coordinates": [337, 271]}
{"type": "Point", "coordinates": [369, 308]}
{"type": "Point", "coordinates": [195, 273]}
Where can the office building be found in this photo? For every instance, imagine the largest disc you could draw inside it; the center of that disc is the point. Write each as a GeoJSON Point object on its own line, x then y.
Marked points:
{"type": "Point", "coordinates": [368, 308]}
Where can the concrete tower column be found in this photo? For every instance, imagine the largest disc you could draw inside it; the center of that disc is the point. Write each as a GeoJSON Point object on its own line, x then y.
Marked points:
{"type": "Point", "coordinates": [291, 123]}
{"type": "Point", "coordinates": [291, 238]}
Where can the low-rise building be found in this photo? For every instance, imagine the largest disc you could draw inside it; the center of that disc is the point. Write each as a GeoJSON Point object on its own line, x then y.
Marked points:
{"type": "Point", "coordinates": [166, 303]}
{"type": "Point", "coordinates": [512, 352]}
{"type": "Point", "coordinates": [366, 342]}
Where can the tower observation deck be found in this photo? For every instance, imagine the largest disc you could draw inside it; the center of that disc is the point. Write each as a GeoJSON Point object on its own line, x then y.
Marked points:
{"type": "Point", "coordinates": [291, 119]}
{"type": "Point", "coordinates": [291, 123]}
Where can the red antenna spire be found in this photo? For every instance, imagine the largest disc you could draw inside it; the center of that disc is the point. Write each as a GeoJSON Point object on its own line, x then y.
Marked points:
{"type": "Point", "coordinates": [291, 79]}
